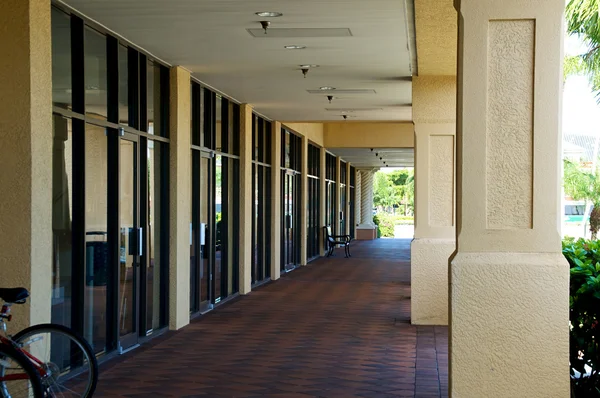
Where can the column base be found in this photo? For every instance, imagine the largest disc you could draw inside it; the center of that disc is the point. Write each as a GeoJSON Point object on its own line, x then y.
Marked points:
{"type": "Point", "coordinates": [429, 280]}
{"type": "Point", "coordinates": [366, 233]}
{"type": "Point", "coordinates": [509, 325]}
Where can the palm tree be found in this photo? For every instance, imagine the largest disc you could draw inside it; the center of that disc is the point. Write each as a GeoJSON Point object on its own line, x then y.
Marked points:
{"type": "Point", "coordinates": [583, 20]}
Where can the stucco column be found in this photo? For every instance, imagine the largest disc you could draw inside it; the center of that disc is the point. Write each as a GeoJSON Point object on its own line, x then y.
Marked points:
{"type": "Point", "coordinates": [322, 199]}
{"type": "Point", "coordinates": [434, 114]}
{"type": "Point", "coordinates": [180, 199]}
{"type": "Point", "coordinates": [26, 156]}
{"type": "Point", "coordinates": [304, 200]}
{"type": "Point", "coordinates": [509, 283]}
{"type": "Point", "coordinates": [336, 223]}
{"type": "Point", "coordinates": [246, 199]}
{"type": "Point", "coordinates": [275, 200]}
{"type": "Point", "coordinates": [348, 200]}
{"type": "Point", "coordinates": [366, 230]}
{"type": "Point", "coordinates": [357, 194]}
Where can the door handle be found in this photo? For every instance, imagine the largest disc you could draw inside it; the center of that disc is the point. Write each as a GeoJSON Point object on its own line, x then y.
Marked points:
{"type": "Point", "coordinates": [140, 242]}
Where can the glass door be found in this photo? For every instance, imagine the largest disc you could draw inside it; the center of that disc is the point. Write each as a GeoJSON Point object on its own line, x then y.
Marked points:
{"type": "Point", "coordinates": [201, 233]}
{"type": "Point", "coordinates": [130, 241]}
{"type": "Point", "coordinates": [290, 237]}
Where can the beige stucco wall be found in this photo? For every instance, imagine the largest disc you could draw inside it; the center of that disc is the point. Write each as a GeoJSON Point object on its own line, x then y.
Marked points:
{"type": "Point", "coordinates": [246, 199]}
{"type": "Point", "coordinates": [369, 135]}
{"type": "Point", "coordinates": [509, 281]}
{"type": "Point", "coordinates": [434, 99]}
{"type": "Point", "coordinates": [275, 201]}
{"type": "Point", "coordinates": [436, 31]}
{"type": "Point", "coordinates": [26, 155]}
{"type": "Point", "coordinates": [180, 205]}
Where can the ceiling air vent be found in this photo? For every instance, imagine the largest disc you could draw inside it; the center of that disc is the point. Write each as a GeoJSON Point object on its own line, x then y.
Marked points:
{"type": "Point", "coordinates": [259, 33]}
{"type": "Point", "coordinates": [344, 91]}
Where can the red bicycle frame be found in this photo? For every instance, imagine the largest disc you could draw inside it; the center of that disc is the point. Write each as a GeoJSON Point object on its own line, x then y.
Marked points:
{"type": "Point", "coordinates": [5, 316]}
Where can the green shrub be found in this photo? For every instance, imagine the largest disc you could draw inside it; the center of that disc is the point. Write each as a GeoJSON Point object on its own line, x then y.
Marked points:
{"type": "Point", "coordinates": [584, 303]}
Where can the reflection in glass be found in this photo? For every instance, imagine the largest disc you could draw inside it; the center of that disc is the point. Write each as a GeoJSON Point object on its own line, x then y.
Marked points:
{"type": "Point", "coordinates": [96, 237]}
{"type": "Point", "coordinates": [204, 228]}
{"type": "Point", "coordinates": [221, 230]}
{"type": "Point", "coordinates": [61, 59]}
{"type": "Point", "coordinates": [128, 247]}
{"type": "Point", "coordinates": [95, 74]}
{"type": "Point", "coordinates": [123, 85]}
{"type": "Point", "coordinates": [62, 178]}
{"type": "Point", "coordinates": [154, 249]}
{"type": "Point", "coordinates": [154, 97]}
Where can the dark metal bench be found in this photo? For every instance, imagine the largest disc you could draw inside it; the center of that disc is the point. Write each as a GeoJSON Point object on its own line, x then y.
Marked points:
{"type": "Point", "coordinates": [332, 240]}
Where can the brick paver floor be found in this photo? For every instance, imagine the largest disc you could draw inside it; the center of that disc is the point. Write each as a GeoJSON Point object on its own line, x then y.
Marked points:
{"type": "Point", "coordinates": [336, 328]}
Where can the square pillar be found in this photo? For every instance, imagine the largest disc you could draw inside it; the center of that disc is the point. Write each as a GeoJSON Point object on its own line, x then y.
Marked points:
{"type": "Point", "coordinates": [336, 227]}
{"type": "Point", "coordinates": [509, 282]}
{"type": "Point", "coordinates": [434, 240]}
{"type": "Point", "coordinates": [304, 200]}
{"type": "Point", "coordinates": [26, 156]}
{"type": "Point", "coordinates": [180, 197]}
{"type": "Point", "coordinates": [366, 230]}
{"type": "Point", "coordinates": [246, 199]}
{"type": "Point", "coordinates": [275, 200]}
{"type": "Point", "coordinates": [322, 199]}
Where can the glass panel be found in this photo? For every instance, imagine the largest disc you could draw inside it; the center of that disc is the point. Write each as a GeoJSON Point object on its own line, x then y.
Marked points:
{"type": "Point", "coordinates": [62, 211]}
{"type": "Point", "coordinates": [220, 236]}
{"type": "Point", "coordinates": [95, 74]}
{"type": "Point", "coordinates": [152, 95]}
{"type": "Point", "coordinates": [156, 158]}
{"type": "Point", "coordinates": [61, 59]}
{"type": "Point", "coordinates": [219, 124]}
{"type": "Point", "coordinates": [204, 227]}
{"type": "Point", "coordinates": [123, 85]}
{"type": "Point", "coordinates": [128, 239]}
{"type": "Point", "coordinates": [195, 200]}
{"type": "Point", "coordinates": [96, 237]}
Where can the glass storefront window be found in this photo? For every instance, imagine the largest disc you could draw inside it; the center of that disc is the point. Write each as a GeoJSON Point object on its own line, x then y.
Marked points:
{"type": "Point", "coordinates": [62, 213]}
{"type": "Point", "coordinates": [95, 74]}
{"type": "Point", "coordinates": [96, 237]}
{"type": "Point", "coordinates": [61, 60]}
{"type": "Point", "coordinates": [123, 85]}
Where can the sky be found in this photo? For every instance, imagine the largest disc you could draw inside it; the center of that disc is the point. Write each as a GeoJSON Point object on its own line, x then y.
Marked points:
{"type": "Point", "coordinates": [581, 113]}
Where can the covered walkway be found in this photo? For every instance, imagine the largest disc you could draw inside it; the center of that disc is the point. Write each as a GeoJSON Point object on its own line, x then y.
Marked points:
{"type": "Point", "coordinates": [336, 328]}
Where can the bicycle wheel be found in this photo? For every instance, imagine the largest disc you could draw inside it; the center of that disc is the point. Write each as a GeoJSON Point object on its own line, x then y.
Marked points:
{"type": "Point", "coordinates": [69, 364]}
{"type": "Point", "coordinates": [18, 377]}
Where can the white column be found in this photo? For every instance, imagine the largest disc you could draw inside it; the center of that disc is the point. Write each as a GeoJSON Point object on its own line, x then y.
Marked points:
{"type": "Point", "coordinates": [509, 283]}
{"type": "Point", "coordinates": [180, 199]}
{"type": "Point", "coordinates": [366, 199]}
{"type": "Point", "coordinates": [357, 194]}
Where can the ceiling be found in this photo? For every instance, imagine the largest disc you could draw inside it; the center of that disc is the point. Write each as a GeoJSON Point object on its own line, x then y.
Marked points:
{"type": "Point", "coordinates": [367, 158]}
{"type": "Point", "coordinates": [211, 39]}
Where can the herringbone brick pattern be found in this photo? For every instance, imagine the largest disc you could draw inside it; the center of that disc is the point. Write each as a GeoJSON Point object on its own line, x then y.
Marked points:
{"type": "Point", "coordinates": [336, 328]}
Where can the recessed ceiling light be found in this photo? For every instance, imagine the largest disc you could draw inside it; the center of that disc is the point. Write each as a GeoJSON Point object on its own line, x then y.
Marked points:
{"type": "Point", "coordinates": [269, 14]}
{"type": "Point", "coordinates": [325, 88]}
{"type": "Point", "coordinates": [295, 47]}
{"type": "Point", "coordinates": [309, 66]}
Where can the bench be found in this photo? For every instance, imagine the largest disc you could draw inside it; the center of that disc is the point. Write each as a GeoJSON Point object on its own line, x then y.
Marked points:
{"type": "Point", "coordinates": [332, 240]}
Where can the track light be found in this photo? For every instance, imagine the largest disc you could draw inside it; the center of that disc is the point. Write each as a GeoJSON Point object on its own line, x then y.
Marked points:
{"type": "Point", "coordinates": [305, 71]}
{"type": "Point", "coordinates": [330, 98]}
{"type": "Point", "coordinates": [265, 25]}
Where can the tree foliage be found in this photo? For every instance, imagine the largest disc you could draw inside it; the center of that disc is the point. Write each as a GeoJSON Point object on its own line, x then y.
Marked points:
{"type": "Point", "coordinates": [394, 189]}
{"type": "Point", "coordinates": [584, 185]}
{"type": "Point", "coordinates": [583, 21]}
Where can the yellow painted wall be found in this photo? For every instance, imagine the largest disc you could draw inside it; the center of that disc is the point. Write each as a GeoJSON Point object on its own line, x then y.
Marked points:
{"type": "Point", "coordinates": [312, 131]}
{"type": "Point", "coordinates": [369, 135]}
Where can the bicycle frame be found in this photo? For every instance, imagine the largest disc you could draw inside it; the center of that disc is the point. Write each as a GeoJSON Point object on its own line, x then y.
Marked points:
{"type": "Point", "coordinates": [39, 365]}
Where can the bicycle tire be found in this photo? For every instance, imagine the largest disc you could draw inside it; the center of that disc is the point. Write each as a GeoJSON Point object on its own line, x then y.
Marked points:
{"type": "Point", "coordinates": [49, 327]}
{"type": "Point", "coordinates": [18, 357]}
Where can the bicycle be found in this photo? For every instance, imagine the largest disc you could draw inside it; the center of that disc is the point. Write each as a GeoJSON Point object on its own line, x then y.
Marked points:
{"type": "Point", "coordinates": [54, 360]}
